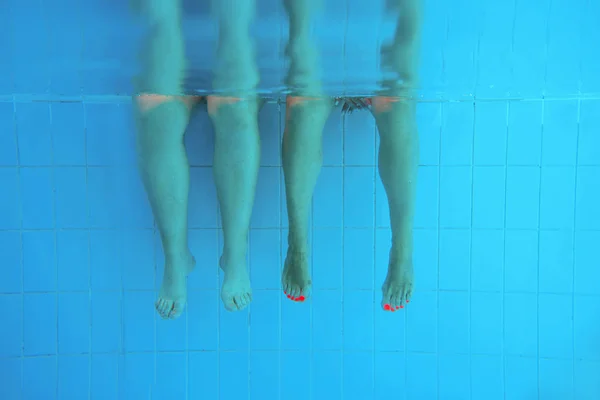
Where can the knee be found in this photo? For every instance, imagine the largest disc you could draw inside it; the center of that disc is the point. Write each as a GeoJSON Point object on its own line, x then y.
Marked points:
{"type": "Point", "coordinates": [232, 114]}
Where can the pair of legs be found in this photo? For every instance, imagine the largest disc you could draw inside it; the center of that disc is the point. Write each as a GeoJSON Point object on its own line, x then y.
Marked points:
{"type": "Point", "coordinates": [394, 113]}
{"type": "Point", "coordinates": [162, 115]}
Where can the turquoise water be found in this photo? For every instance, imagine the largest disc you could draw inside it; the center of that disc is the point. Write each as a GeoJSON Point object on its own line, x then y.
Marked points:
{"type": "Point", "coordinates": [507, 301]}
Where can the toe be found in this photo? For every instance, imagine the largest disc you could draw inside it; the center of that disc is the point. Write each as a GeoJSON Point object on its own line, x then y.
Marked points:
{"type": "Point", "coordinates": [177, 309]}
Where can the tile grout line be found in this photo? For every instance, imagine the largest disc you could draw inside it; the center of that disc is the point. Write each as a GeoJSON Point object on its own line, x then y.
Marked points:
{"type": "Point", "coordinates": [342, 292]}
{"type": "Point", "coordinates": [573, 250]}
{"type": "Point", "coordinates": [503, 291]}
{"type": "Point", "coordinates": [438, 234]}
{"type": "Point", "coordinates": [55, 258]}
{"type": "Point", "coordinates": [471, 218]}
{"type": "Point", "coordinates": [280, 298]}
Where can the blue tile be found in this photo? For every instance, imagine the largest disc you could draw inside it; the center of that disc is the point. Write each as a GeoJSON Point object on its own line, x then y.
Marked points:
{"type": "Point", "coordinates": [105, 142]}
{"type": "Point", "coordinates": [529, 48]}
{"type": "Point", "coordinates": [455, 259]}
{"type": "Point", "coordinates": [233, 329]}
{"type": "Point", "coordinates": [10, 204]}
{"type": "Point", "coordinates": [268, 120]}
{"type": "Point", "coordinates": [203, 311]}
{"type": "Point", "coordinates": [588, 197]}
{"type": "Point", "coordinates": [429, 118]}
{"type": "Point", "coordinates": [328, 198]}
{"type": "Point", "coordinates": [427, 200]}
{"type": "Point", "coordinates": [172, 370]}
{"type": "Point", "coordinates": [521, 377]}
{"type": "Point", "coordinates": [559, 146]}
{"type": "Point", "coordinates": [233, 375]}
{"type": "Point", "coordinates": [487, 252]}
{"type": "Point", "coordinates": [359, 139]}
{"type": "Point", "coordinates": [264, 379]}
{"type": "Point", "coordinates": [105, 260]}
{"type": "Point", "coordinates": [488, 197]}
{"type": "Point", "coordinates": [11, 277]}
{"type": "Point", "coordinates": [327, 258]}
{"type": "Point", "coordinates": [105, 376]}
{"type": "Point", "coordinates": [295, 326]}
{"type": "Point", "coordinates": [425, 258]}
{"type": "Point", "coordinates": [422, 323]}
{"type": "Point", "coordinates": [73, 377]}
{"type": "Point", "coordinates": [562, 57]}
{"type": "Point", "coordinates": [11, 343]}
{"type": "Point", "coordinates": [39, 261]}
{"type": "Point", "coordinates": [358, 319]}
{"type": "Point", "coordinates": [202, 209]}
{"type": "Point", "coordinates": [358, 374]}
{"type": "Point", "coordinates": [204, 245]}
{"type": "Point", "coordinates": [68, 134]}
{"type": "Point", "coordinates": [422, 376]}
{"type": "Point", "coordinates": [295, 372]}
{"type": "Point", "coordinates": [327, 374]}
{"type": "Point", "coordinates": [71, 197]}
{"type": "Point", "coordinates": [8, 140]}
{"type": "Point", "coordinates": [204, 367]}
{"type": "Point", "coordinates": [266, 212]}
{"type": "Point", "coordinates": [456, 186]}
{"type": "Point", "coordinates": [73, 323]}
{"type": "Point", "coordinates": [264, 324]}
{"type": "Point", "coordinates": [106, 321]}
{"type": "Point", "coordinates": [556, 261]}
{"type": "Point", "coordinates": [265, 262]}
{"type": "Point", "coordinates": [390, 374]}
{"type": "Point", "coordinates": [453, 323]}
{"type": "Point", "coordinates": [73, 260]}
{"type": "Point", "coordinates": [333, 153]}
{"type": "Point", "coordinates": [487, 374]}
{"type": "Point", "coordinates": [359, 259]}
{"type": "Point", "coordinates": [585, 344]}
{"type": "Point", "coordinates": [522, 197]}
{"type": "Point", "coordinates": [34, 134]}
{"type": "Point", "coordinates": [486, 323]}
{"type": "Point", "coordinates": [490, 133]}
{"type": "Point", "coordinates": [39, 324]}
{"type": "Point", "coordinates": [521, 261]}
{"type": "Point", "coordinates": [137, 373]}
{"type": "Point", "coordinates": [42, 371]}
{"type": "Point", "coordinates": [588, 152]}
{"type": "Point", "coordinates": [587, 386]}
{"type": "Point", "coordinates": [521, 325]}
{"type": "Point", "coordinates": [138, 322]}
{"type": "Point", "coordinates": [327, 323]}
{"type": "Point", "coordinates": [524, 133]}
{"type": "Point", "coordinates": [137, 258]}
{"type": "Point", "coordinates": [11, 368]}
{"type": "Point", "coordinates": [557, 202]}
{"type": "Point", "coordinates": [457, 133]}
{"type": "Point", "coordinates": [454, 376]}
{"type": "Point", "coordinates": [556, 378]}
{"type": "Point", "coordinates": [37, 200]}
{"type": "Point", "coordinates": [199, 140]}
{"type": "Point", "coordinates": [171, 336]}
{"type": "Point", "coordinates": [555, 326]}
{"type": "Point", "coordinates": [359, 199]}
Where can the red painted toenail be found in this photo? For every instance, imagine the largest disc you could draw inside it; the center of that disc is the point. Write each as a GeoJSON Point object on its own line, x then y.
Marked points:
{"type": "Point", "coordinates": [301, 298]}
{"type": "Point", "coordinates": [407, 301]}
{"type": "Point", "coordinates": [397, 307]}
{"type": "Point", "coordinates": [386, 307]}
{"type": "Point", "coordinates": [289, 297]}
{"type": "Point", "coordinates": [401, 306]}
{"type": "Point", "coordinates": [393, 310]}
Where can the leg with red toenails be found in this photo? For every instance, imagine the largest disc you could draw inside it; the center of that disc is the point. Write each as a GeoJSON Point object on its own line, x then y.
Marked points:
{"type": "Point", "coordinates": [395, 115]}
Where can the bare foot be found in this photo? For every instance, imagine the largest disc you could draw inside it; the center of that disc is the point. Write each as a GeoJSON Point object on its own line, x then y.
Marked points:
{"type": "Point", "coordinates": [398, 286]}
{"type": "Point", "coordinates": [296, 276]}
{"type": "Point", "coordinates": [236, 292]}
{"type": "Point", "coordinates": [173, 292]}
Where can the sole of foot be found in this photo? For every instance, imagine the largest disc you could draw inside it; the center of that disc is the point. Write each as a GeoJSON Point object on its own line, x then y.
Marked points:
{"type": "Point", "coordinates": [172, 297]}
{"type": "Point", "coordinates": [236, 292]}
{"type": "Point", "coordinates": [398, 286]}
{"type": "Point", "coordinates": [295, 278]}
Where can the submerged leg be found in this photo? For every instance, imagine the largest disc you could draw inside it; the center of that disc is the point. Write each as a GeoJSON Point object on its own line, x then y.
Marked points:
{"type": "Point", "coordinates": [234, 114]}
{"type": "Point", "coordinates": [395, 115]}
{"type": "Point", "coordinates": [162, 117]}
{"type": "Point", "coordinates": [236, 164]}
{"type": "Point", "coordinates": [302, 159]}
